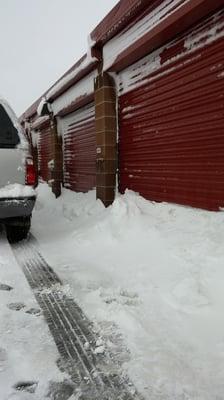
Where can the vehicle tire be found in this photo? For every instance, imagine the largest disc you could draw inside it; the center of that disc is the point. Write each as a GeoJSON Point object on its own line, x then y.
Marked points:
{"type": "Point", "coordinates": [18, 230]}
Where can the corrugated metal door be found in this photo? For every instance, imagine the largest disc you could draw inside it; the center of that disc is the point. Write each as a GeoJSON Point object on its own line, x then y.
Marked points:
{"type": "Point", "coordinates": [44, 152]}
{"type": "Point", "coordinates": [172, 120]}
{"type": "Point", "coordinates": [80, 149]}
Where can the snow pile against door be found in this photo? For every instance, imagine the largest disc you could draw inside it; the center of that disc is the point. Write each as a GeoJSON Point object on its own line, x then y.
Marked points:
{"type": "Point", "coordinates": [153, 270]}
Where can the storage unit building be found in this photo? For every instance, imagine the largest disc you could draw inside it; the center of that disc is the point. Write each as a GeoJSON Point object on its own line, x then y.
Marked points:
{"type": "Point", "coordinates": [44, 151]}
{"type": "Point", "coordinates": [171, 102]}
{"type": "Point", "coordinates": [153, 80]}
{"type": "Point", "coordinates": [172, 123]}
{"type": "Point", "coordinates": [73, 106]}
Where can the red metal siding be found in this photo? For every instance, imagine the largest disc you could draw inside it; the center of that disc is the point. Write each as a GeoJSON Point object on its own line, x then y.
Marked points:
{"type": "Point", "coordinates": [80, 150]}
{"type": "Point", "coordinates": [44, 152]}
{"type": "Point", "coordinates": [172, 127]}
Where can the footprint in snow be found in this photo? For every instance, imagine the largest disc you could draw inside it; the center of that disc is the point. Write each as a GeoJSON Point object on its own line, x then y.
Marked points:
{"type": "Point", "coordinates": [26, 386]}
{"type": "Point", "coordinates": [16, 306]}
{"type": "Point", "coordinates": [122, 296]}
{"type": "Point", "coordinates": [3, 355]}
{"type": "Point", "coordinates": [5, 287]}
{"type": "Point", "coordinates": [34, 311]}
{"type": "Point", "coordinates": [20, 306]}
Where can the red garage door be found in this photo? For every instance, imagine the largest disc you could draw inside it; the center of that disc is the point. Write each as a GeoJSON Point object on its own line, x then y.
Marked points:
{"type": "Point", "coordinates": [80, 149]}
{"type": "Point", "coordinates": [44, 152]}
{"type": "Point", "coordinates": [172, 120]}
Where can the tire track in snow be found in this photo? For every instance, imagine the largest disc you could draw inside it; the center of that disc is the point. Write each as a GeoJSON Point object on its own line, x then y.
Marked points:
{"type": "Point", "coordinates": [93, 375]}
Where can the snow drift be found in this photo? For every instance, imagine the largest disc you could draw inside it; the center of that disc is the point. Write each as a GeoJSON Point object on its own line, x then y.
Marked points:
{"type": "Point", "coordinates": [155, 271]}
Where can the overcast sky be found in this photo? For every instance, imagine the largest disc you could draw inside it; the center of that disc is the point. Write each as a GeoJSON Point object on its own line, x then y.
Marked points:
{"type": "Point", "coordinates": [40, 40]}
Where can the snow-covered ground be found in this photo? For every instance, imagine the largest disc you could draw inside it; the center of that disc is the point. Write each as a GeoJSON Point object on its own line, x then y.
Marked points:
{"type": "Point", "coordinates": [27, 351]}
{"type": "Point", "coordinates": [156, 272]}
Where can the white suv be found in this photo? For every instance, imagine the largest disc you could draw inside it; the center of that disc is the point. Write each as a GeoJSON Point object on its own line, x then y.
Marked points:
{"type": "Point", "coordinates": [17, 176]}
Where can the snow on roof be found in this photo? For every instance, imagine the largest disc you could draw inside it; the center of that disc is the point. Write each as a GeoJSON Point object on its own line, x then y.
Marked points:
{"type": "Point", "coordinates": [86, 61]}
{"type": "Point", "coordinates": [82, 88]}
{"type": "Point", "coordinates": [39, 121]}
{"type": "Point", "coordinates": [43, 103]}
{"type": "Point", "coordinates": [31, 110]}
{"type": "Point", "coordinates": [77, 72]}
{"type": "Point", "coordinates": [142, 71]}
{"type": "Point", "coordinates": [117, 19]}
{"type": "Point", "coordinates": [111, 24]}
{"type": "Point", "coordinates": [126, 38]}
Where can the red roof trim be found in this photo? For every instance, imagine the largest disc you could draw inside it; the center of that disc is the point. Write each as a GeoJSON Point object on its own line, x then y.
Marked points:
{"type": "Point", "coordinates": [117, 19]}
{"type": "Point", "coordinates": [177, 23]}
